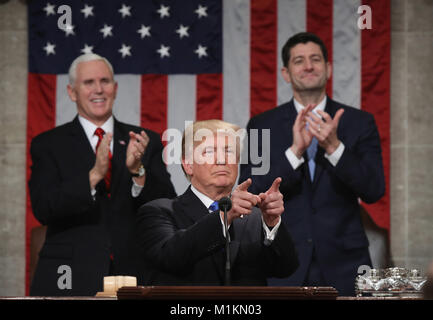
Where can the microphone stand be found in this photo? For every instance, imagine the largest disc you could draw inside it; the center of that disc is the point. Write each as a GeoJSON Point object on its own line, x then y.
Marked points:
{"type": "Point", "coordinates": [226, 204]}
{"type": "Point", "coordinates": [227, 267]}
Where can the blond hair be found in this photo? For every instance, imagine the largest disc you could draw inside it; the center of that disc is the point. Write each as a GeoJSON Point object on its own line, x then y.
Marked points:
{"type": "Point", "coordinates": [196, 132]}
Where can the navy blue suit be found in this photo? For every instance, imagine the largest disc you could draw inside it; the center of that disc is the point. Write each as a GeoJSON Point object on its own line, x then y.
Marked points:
{"type": "Point", "coordinates": [323, 216]}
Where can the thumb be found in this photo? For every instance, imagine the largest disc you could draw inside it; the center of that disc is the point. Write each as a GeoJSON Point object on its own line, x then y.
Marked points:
{"type": "Point", "coordinates": [245, 185]}
{"type": "Point", "coordinates": [275, 185]}
{"type": "Point", "coordinates": [131, 136]}
{"type": "Point", "coordinates": [337, 116]}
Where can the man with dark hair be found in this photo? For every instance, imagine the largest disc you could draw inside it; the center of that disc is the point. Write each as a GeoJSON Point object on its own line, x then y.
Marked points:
{"type": "Point", "coordinates": [89, 177]}
{"type": "Point", "coordinates": [329, 156]}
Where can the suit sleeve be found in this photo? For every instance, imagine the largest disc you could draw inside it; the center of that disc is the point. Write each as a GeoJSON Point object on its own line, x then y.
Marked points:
{"type": "Point", "coordinates": [55, 198]}
{"type": "Point", "coordinates": [175, 250]}
{"type": "Point", "coordinates": [360, 167]}
{"type": "Point", "coordinates": [158, 183]}
{"type": "Point", "coordinates": [280, 257]}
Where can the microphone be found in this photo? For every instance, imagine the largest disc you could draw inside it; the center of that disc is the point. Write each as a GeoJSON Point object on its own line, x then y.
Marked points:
{"type": "Point", "coordinates": [225, 204]}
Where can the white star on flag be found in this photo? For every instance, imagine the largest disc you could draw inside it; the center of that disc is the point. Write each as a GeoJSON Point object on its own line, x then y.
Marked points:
{"type": "Point", "coordinates": [87, 49]}
{"type": "Point", "coordinates": [201, 11]}
{"type": "Point", "coordinates": [125, 50]}
{"type": "Point", "coordinates": [144, 31]}
{"type": "Point", "coordinates": [125, 10]}
{"type": "Point", "coordinates": [49, 48]}
{"type": "Point", "coordinates": [201, 51]}
{"type": "Point", "coordinates": [106, 30]}
{"type": "Point", "coordinates": [163, 11]}
{"type": "Point", "coordinates": [182, 31]}
{"type": "Point", "coordinates": [69, 29]}
{"type": "Point", "coordinates": [87, 11]}
{"type": "Point", "coordinates": [163, 51]}
{"type": "Point", "coordinates": [49, 9]}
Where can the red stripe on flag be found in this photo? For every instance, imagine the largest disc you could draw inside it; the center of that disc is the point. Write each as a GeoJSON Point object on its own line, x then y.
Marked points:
{"type": "Point", "coordinates": [154, 97]}
{"type": "Point", "coordinates": [375, 96]}
{"type": "Point", "coordinates": [263, 55]}
{"type": "Point", "coordinates": [41, 116]}
{"type": "Point", "coordinates": [209, 96]}
{"type": "Point", "coordinates": [319, 22]}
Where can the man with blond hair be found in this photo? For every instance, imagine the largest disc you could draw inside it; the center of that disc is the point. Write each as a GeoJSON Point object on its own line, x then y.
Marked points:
{"type": "Point", "coordinates": [183, 240]}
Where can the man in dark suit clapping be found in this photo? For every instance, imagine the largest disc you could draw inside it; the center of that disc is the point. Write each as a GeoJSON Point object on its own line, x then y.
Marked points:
{"type": "Point", "coordinates": [329, 157]}
{"type": "Point", "coordinates": [89, 177]}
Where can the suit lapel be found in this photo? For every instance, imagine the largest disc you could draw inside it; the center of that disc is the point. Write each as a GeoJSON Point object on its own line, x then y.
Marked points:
{"type": "Point", "coordinates": [192, 207]}
{"type": "Point", "coordinates": [81, 144]}
{"type": "Point", "coordinates": [120, 144]}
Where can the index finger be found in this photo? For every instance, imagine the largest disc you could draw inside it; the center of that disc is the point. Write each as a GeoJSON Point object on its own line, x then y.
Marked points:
{"type": "Point", "coordinates": [325, 115]}
{"type": "Point", "coordinates": [275, 187]}
{"type": "Point", "coordinates": [245, 185]}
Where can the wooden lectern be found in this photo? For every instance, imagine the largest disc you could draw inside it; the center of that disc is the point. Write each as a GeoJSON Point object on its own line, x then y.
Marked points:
{"type": "Point", "coordinates": [226, 293]}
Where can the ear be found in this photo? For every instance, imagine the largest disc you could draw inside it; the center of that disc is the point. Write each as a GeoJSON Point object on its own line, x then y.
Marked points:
{"type": "Point", "coordinates": [328, 70]}
{"type": "Point", "coordinates": [187, 167]}
{"type": "Point", "coordinates": [115, 90]}
{"type": "Point", "coordinates": [71, 92]}
{"type": "Point", "coordinates": [286, 75]}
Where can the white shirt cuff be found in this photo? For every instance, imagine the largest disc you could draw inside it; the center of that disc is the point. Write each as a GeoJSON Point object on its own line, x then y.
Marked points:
{"type": "Point", "coordinates": [293, 159]}
{"type": "Point", "coordinates": [336, 155]}
{"type": "Point", "coordinates": [270, 234]}
{"type": "Point", "coordinates": [136, 189]}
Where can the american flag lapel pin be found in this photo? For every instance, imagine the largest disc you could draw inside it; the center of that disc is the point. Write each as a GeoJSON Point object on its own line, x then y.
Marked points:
{"type": "Point", "coordinates": [122, 142]}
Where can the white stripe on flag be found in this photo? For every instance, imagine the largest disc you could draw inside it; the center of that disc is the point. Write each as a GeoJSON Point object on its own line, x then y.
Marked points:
{"type": "Point", "coordinates": [182, 92]}
{"type": "Point", "coordinates": [127, 104]}
{"type": "Point", "coordinates": [236, 61]}
{"type": "Point", "coordinates": [66, 110]}
{"type": "Point", "coordinates": [290, 21]}
{"type": "Point", "coordinates": [346, 53]}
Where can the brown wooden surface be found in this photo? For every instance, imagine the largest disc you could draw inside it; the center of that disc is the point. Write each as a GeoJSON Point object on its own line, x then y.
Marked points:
{"type": "Point", "coordinates": [226, 293]}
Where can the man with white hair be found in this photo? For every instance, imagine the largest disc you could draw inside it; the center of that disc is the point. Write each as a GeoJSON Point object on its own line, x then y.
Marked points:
{"type": "Point", "coordinates": [88, 178]}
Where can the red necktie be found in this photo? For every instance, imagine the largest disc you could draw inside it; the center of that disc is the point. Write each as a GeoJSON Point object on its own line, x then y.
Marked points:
{"type": "Point", "coordinates": [100, 133]}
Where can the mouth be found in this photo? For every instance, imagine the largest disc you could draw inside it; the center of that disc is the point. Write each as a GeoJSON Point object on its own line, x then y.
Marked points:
{"type": "Point", "coordinates": [98, 100]}
{"type": "Point", "coordinates": [221, 173]}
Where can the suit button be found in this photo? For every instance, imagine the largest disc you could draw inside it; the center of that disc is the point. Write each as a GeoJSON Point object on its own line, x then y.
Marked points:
{"type": "Point", "coordinates": [309, 241]}
{"type": "Point", "coordinates": [314, 211]}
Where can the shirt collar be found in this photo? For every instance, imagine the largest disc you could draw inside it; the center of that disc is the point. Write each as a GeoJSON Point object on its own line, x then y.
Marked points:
{"type": "Point", "coordinates": [203, 198]}
{"type": "Point", "coordinates": [89, 127]}
{"type": "Point", "coordinates": [320, 106]}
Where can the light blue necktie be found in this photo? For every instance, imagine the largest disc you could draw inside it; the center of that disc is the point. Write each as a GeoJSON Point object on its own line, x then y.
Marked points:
{"type": "Point", "coordinates": [311, 153]}
{"type": "Point", "coordinates": [214, 206]}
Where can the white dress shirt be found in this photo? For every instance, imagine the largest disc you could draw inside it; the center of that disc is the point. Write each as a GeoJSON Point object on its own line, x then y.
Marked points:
{"type": "Point", "coordinates": [332, 158]}
{"type": "Point", "coordinates": [108, 126]}
{"type": "Point", "coordinates": [269, 234]}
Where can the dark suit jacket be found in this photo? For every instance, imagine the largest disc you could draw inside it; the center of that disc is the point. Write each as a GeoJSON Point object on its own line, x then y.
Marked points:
{"type": "Point", "coordinates": [183, 244]}
{"type": "Point", "coordinates": [83, 232]}
{"type": "Point", "coordinates": [324, 216]}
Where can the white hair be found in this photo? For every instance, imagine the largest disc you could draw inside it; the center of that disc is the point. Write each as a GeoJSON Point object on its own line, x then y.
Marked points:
{"type": "Point", "coordinates": [85, 58]}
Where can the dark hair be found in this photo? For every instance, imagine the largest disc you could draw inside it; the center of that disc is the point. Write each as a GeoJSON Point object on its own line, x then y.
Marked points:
{"type": "Point", "coordinates": [302, 37]}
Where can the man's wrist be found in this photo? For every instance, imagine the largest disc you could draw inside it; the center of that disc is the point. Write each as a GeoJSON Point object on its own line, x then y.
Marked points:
{"type": "Point", "coordinates": [296, 151]}
{"type": "Point", "coordinates": [140, 172]}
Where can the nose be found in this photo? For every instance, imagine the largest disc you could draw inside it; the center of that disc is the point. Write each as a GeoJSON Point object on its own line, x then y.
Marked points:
{"type": "Point", "coordinates": [98, 87]}
{"type": "Point", "coordinates": [221, 157]}
{"type": "Point", "coordinates": [308, 65]}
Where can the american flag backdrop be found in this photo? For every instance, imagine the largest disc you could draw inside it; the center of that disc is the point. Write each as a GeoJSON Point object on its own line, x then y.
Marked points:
{"type": "Point", "coordinates": [186, 60]}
